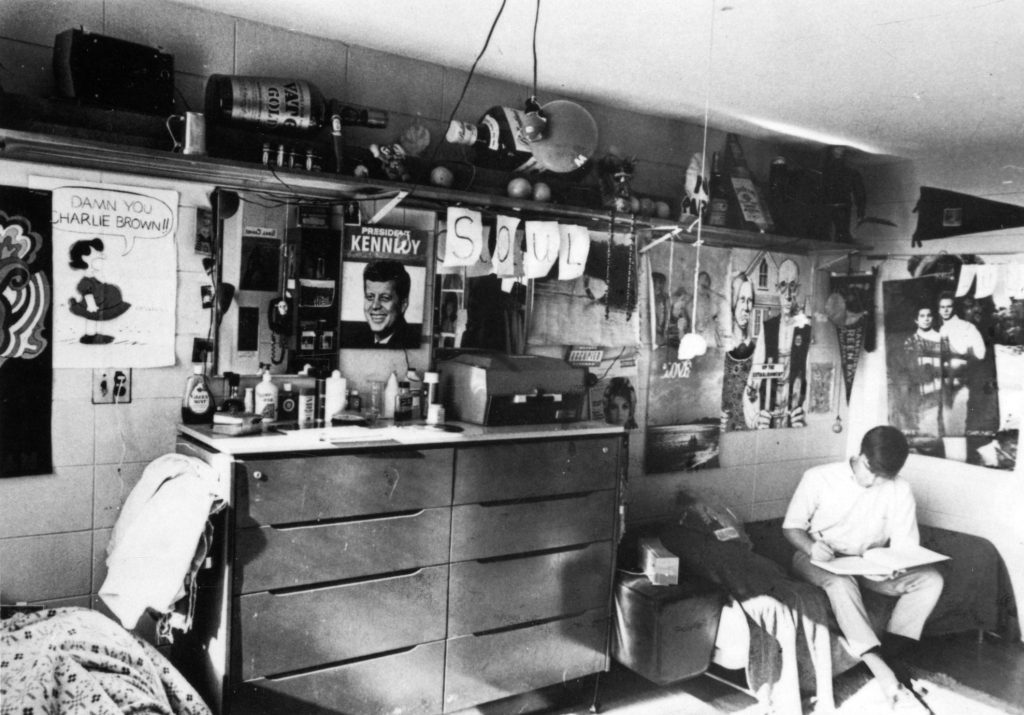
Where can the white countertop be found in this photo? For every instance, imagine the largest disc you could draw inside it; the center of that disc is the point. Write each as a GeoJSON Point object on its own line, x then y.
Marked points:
{"type": "Point", "coordinates": [348, 437]}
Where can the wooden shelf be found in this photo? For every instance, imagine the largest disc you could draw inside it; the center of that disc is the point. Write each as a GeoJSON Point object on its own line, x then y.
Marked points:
{"type": "Point", "coordinates": [54, 149]}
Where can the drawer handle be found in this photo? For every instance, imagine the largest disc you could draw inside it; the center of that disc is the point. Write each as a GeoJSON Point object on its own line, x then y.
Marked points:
{"type": "Point", "coordinates": [259, 476]}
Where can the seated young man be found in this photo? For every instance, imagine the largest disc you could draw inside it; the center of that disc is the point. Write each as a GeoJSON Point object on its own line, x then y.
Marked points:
{"type": "Point", "coordinates": [846, 508]}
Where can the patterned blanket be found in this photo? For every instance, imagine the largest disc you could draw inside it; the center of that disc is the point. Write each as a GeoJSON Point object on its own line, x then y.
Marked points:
{"type": "Point", "coordinates": [73, 660]}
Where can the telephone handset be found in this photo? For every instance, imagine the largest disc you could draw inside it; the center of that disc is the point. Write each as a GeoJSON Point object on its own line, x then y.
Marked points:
{"type": "Point", "coordinates": [279, 315]}
{"type": "Point", "coordinates": [279, 311]}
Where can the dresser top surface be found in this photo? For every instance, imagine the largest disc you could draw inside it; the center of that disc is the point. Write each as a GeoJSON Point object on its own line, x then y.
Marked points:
{"type": "Point", "coordinates": [355, 437]}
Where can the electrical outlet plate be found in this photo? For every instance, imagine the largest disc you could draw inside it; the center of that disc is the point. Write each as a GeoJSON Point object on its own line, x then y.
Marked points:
{"type": "Point", "coordinates": [111, 385]}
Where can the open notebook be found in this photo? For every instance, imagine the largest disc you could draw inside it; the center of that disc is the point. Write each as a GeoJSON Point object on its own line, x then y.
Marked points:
{"type": "Point", "coordinates": [882, 562]}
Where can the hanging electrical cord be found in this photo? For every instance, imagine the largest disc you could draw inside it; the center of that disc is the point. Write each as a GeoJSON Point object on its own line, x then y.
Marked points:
{"type": "Point", "coordinates": [693, 344]}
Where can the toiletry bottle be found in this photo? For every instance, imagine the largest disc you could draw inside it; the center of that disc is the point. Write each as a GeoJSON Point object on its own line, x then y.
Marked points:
{"type": "Point", "coordinates": [307, 406]}
{"type": "Point", "coordinates": [355, 402]}
{"type": "Point", "coordinates": [335, 395]}
{"type": "Point", "coordinates": [287, 404]}
{"type": "Point", "coordinates": [390, 392]}
{"type": "Point", "coordinates": [266, 398]}
{"type": "Point", "coordinates": [250, 400]}
{"type": "Point", "coordinates": [430, 380]}
{"type": "Point", "coordinates": [233, 403]}
{"type": "Point", "coordinates": [416, 388]}
{"type": "Point", "coordinates": [403, 404]}
{"type": "Point", "coordinates": [197, 406]}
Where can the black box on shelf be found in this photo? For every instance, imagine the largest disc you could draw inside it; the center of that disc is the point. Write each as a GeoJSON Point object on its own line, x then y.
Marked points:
{"type": "Point", "coordinates": [108, 72]}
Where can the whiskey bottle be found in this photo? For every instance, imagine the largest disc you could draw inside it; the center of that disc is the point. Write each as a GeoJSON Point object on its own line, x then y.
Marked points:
{"type": "Point", "coordinates": [718, 198]}
{"type": "Point", "coordinates": [498, 139]}
{"type": "Point", "coordinates": [280, 105]}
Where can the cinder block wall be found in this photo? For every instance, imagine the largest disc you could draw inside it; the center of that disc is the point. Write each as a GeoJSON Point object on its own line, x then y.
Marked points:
{"type": "Point", "coordinates": [54, 528]}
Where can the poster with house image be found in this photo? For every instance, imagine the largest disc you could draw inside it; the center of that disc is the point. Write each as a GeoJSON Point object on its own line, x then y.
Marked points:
{"type": "Point", "coordinates": [765, 384]}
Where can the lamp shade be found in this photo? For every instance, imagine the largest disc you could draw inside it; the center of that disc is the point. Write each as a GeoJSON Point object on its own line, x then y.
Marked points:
{"type": "Point", "coordinates": [570, 138]}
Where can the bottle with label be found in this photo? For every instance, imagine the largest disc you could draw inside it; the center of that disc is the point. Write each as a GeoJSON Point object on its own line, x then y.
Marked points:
{"type": "Point", "coordinates": [355, 401]}
{"type": "Point", "coordinates": [232, 404]}
{"type": "Point", "coordinates": [266, 398]}
{"type": "Point", "coordinates": [250, 400]}
{"type": "Point", "coordinates": [287, 404]}
{"type": "Point", "coordinates": [280, 104]}
{"type": "Point", "coordinates": [497, 139]}
{"type": "Point", "coordinates": [751, 211]}
{"type": "Point", "coordinates": [307, 406]}
{"type": "Point", "coordinates": [718, 198]}
{"type": "Point", "coordinates": [335, 397]}
{"type": "Point", "coordinates": [197, 406]}
{"type": "Point", "coordinates": [403, 404]}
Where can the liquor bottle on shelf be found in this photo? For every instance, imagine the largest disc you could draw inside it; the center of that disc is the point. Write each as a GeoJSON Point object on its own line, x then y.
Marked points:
{"type": "Point", "coordinates": [497, 140]}
{"type": "Point", "coordinates": [718, 196]}
{"type": "Point", "coordinates": [280, 105]}
{"type": "Point", "coordinates": [753, 211]}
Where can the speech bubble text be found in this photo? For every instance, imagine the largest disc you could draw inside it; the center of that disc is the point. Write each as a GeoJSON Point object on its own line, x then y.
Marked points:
{"type": "Point", "coordinates": [111, 212]}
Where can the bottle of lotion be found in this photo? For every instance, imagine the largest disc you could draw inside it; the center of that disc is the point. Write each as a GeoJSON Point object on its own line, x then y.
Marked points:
{"type": "Point", "coordinates": [266, 398]}
{"type": "Point", "coordinates": [390, 393]}
{"type": "Point", "coordinates": [336, 385]}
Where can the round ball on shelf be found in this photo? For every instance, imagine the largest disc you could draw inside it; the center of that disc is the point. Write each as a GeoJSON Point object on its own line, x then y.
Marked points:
{"type": "Point", "coordinates": [661, 209]}
{"type": "Point", "coordinates": [646, 206]}
{"type": "Point", "coordinates": [519, 188]}
{"type": "Point", "coordinates": [441, 176]}
{"type": "Point", "coordinates": [634, 205]}
{"type": "Point", "coordinates": [541, 192]}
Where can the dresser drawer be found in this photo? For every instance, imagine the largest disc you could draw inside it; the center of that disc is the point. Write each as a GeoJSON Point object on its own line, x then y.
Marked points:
{"type": "Point", "coordinates": [282, 632]}
{"type": "Point", "coordinates": [285, 490]}
{"type": "Point", "coordinates": [404, 683]}
{"type": "Point", "coordinates": [526, 469]}
{"type": "Point", "coordinates": [496, 529]}
{"type": "Point", "coordinates": [490, 594]}
{"type": "Point", "coordinates": [268, 557]}
{"type": "Point", "coordinates": [496, 665]}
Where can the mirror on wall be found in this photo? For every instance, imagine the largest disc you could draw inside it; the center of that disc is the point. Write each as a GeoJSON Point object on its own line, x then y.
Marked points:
{"type": "Point", "coordinates": [283, 260]}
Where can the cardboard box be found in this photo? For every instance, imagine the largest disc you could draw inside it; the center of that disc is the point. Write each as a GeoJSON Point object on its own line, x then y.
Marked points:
{"type": "Point", "coordinates": [658, 563]}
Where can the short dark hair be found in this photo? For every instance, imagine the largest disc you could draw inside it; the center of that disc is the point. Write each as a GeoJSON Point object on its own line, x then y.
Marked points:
{"type": "Point", "coordinates": [81, 249]}
{"type": "Point", "coordinates": [389, 270]}
{"type": "Point", "coordinates": [886, 450]}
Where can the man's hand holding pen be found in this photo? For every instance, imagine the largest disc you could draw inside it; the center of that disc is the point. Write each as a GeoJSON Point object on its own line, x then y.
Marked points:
{"type": "Point", "coordinates": [820, 550]}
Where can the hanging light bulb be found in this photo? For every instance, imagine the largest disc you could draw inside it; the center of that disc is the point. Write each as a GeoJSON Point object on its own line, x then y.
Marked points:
{"type": "Point", "coordinates": [568, 139]}
{"type": "Point", "coordinates": [693, 344]}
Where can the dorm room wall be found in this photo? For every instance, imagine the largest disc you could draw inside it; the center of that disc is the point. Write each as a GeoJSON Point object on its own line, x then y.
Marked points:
{"type": "Point", "coordinates": [54, 528]}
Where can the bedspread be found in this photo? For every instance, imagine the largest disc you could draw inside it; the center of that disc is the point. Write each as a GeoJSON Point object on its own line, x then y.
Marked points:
{"type": "Point", "coordinates": [73, 660]}
{"type": "Point", "coordinates": [791, 647]}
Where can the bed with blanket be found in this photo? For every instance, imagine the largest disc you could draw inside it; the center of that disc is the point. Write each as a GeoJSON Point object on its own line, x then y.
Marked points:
{"type": "Point", "coordinates": [779, 632]}
{"type": "Point", "coordinates": [78, 661]}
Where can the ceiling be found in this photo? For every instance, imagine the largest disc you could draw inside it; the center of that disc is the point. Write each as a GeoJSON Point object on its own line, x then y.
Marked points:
{"type": "Point", "coordinates": [935, 81]}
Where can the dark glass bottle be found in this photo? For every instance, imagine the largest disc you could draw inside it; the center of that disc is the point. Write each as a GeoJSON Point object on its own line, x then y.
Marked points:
{"type": "Point", "coordinates": [497, 139]}
{"type": "Point", "coordinates": [232, 404]}
{"type": "Point", "coordinates": [283, 105]}
{"type": "Point", "coordinates": [718, 197]}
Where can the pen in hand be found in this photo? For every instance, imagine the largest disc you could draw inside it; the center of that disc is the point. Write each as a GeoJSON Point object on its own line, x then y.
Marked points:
{"type": "Point", "coordinates": [820, 550]}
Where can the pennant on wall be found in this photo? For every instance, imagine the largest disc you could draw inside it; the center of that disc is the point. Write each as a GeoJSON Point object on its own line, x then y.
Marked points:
{"type": "Point", "coordinates": [26, 374]}
{"type": "Point", "coordinates": [942, 213]}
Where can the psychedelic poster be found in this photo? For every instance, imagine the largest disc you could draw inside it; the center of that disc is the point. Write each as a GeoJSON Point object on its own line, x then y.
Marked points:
{"type": "Point", "coordinates": [26, 374]}
{"type": "Point", "coordinates": [114, 274]}
{"type": "Point", "coordinates": [955, 361]}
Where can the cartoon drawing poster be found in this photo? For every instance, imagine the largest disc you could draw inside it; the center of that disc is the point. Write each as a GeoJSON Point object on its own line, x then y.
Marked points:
{"type": "Point", "coordinates": [114, 274]}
